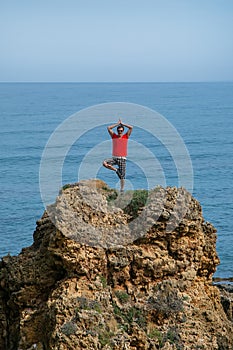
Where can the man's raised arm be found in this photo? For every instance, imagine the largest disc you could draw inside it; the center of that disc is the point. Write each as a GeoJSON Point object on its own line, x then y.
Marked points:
{"type": "Point", "coordinates": [130, 128]}
{"type": "Point", "coordinates": [110, 127]}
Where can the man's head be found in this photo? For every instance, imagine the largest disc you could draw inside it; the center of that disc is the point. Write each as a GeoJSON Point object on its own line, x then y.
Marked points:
{"type": "Point", "coordinates": [120, 129]}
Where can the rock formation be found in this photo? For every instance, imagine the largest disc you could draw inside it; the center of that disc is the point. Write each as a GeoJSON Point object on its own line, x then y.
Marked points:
{"type": "Point", "coordinates": [108, 272]}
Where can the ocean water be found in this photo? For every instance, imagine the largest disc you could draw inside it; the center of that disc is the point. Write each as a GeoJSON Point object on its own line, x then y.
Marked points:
{"type": "Point", "coordinates": [202, 114]}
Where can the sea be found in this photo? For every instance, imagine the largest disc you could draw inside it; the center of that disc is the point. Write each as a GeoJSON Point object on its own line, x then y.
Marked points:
{"type": "Point", "coordinates": [200, 115]}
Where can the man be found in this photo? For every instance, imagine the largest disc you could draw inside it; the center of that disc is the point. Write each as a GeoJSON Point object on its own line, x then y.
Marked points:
{"type": "Point", "coordinates": [119, 150]}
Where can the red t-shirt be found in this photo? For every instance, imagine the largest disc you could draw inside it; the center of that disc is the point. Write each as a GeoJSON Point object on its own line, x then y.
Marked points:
{"type": "Point", "coordinates": [119, 145]}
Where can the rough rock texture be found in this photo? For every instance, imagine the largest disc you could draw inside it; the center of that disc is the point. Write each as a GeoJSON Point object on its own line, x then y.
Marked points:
{"type": "Point", "coordinates": [226, 292]}
{"type": "Point", "coordinates": [97, 277]}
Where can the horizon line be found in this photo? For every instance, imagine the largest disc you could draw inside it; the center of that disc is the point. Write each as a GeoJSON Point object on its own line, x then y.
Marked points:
{"type": "Point", "coordinates": [116, 82]}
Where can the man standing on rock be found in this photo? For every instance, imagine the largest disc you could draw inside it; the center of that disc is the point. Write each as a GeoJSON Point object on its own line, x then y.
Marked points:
{"type": "Point", "coordinates": [119, 150]}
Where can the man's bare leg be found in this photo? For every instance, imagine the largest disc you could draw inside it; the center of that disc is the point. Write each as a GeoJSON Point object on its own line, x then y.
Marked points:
{"type": "Point", "coordinates": [122, 181]}
{"type": "Point", "coordinates": [122, 185]}
{"type": "Point", "coordinates": [108, 166]}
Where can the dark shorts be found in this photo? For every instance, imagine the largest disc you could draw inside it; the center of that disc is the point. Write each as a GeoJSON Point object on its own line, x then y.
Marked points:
{"type": "Point", "coordinates": [121, 163]}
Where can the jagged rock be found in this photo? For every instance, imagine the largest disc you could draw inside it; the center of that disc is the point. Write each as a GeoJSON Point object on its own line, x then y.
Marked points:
{"type": "Point", "coordinates": [226, 292]}
{"type": "Point", "coordinates": [107, 273]}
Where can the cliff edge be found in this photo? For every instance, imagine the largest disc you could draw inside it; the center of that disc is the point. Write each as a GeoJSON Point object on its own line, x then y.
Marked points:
{"type": "Point", "coordinates": [115, 272]}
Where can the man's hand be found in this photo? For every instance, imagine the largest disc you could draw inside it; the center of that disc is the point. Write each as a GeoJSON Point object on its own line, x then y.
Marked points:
{"type": "Point", "coordinates": [110, 127]}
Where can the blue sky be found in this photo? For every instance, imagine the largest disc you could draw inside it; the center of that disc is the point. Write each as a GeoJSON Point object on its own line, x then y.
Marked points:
{"type": "Point", "coordinates": [107, 40]}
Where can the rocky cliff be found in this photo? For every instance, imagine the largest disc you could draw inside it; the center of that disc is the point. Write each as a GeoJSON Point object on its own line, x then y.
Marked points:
{"type": "Point", "coordinates": [115, 272]}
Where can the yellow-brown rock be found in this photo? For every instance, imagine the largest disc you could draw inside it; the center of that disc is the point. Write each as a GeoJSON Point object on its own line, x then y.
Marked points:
{"type": "Point", "coordinates": [100, 277]}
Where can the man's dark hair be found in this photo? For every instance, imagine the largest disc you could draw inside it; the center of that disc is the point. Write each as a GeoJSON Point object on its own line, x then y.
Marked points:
{"type": "Point", "coordinates": [120, 126]}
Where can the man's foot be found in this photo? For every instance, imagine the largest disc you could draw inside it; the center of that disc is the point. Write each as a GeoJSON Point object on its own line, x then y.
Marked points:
{"type": "Point", "coordinates": [111, 168]}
